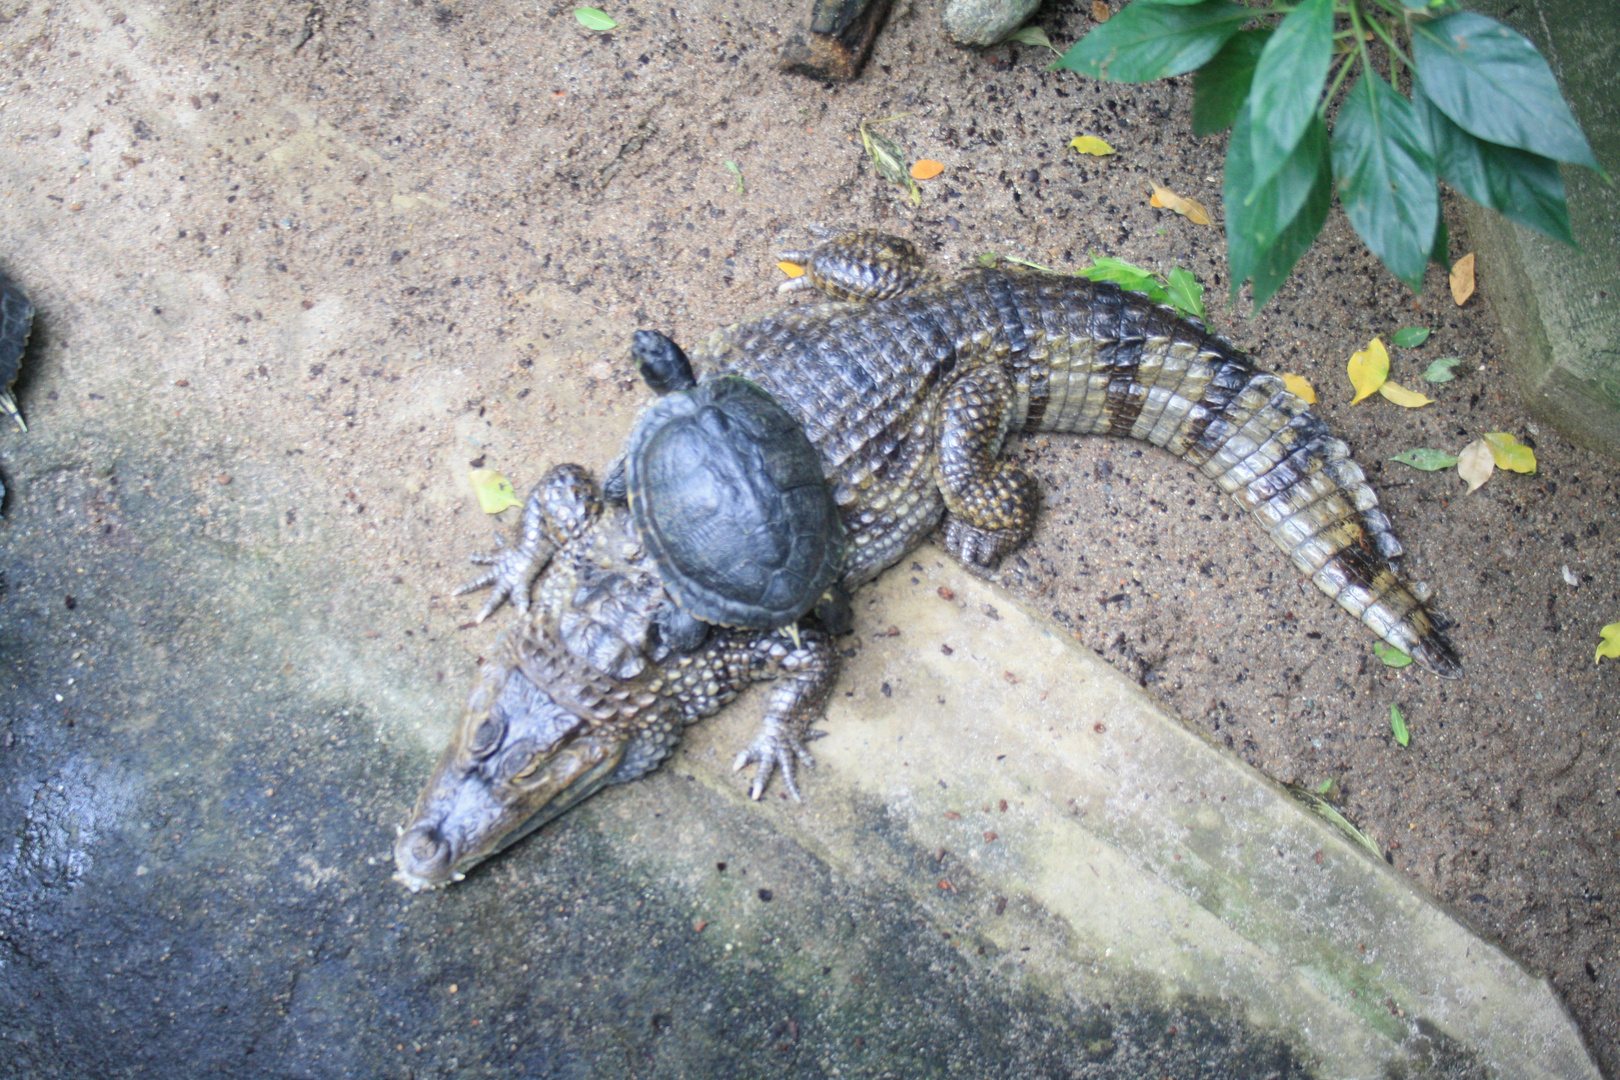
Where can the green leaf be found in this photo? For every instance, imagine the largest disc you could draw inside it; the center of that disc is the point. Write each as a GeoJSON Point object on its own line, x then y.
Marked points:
{"type": "Point", "coordinates": [1440, 370]}
{"type": "Point", "coordinates": [1145, 42]}
{"type": "Point", "coordinates": [1441, 253]}
{"type": "Point", "coordinates": [591, 19]}
{"type": "Point", "coordinates": [1032, 35]}
{"type": "Point", "coordinates": [1024, 262]}
{"type": "Point", "coordinates": [1269, 227]}
{"type": "Point", "coordinates": [733, 168]}
{"type": "Point", "coordinates": [1523, 187]}
{"type": "Point", "coordinates": [1267, 207]}
{"type": "Point", "coordinates": [1411, 337]}
{"type": "Point", "coordinates": [1186, 295]}
{"type": "Point", "coordinates": [1397, 724]}
{"type": "Point", "coordinates": [1287, 84]}
{"type": "Point", "coordinates": [1314, 801]}
{"type": "Point", "coordinates": [1127, 276]}
{"type": "Point", "coordinates": [889, 162]}
{"type": "Point", "coordinates": [1221, 86]}
{"type": "Point", "coordinates": [1180, 290]}
{"type": "Point", "coordinates": [1495, 86]}
{"type": "Point", "coordinates": [1390, 655]}
{"type": "Point", "coordinates": [493, 490]}
{"type": "Point", "coordinates": [1386, 177]}
{"type": "Point", "coordinates": [1426, 459]}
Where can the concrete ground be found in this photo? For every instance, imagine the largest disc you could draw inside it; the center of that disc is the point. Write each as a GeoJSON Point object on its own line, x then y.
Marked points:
{"type": "Point", "coordinates": [300, 267]}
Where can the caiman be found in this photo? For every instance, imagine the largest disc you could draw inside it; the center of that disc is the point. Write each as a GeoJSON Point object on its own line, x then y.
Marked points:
{"type": "Point", "coordinates": [907, 386]}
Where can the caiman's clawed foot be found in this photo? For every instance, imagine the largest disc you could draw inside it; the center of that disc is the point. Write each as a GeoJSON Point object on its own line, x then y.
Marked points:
{"type": "Point", "coordinates": [562, 506]}
{"type": "Point", "coordinates": [979, 550]}
{"type": "Point", "coordinates": [512, 571]}
{"type": "Point", "coordinates": [774, 749]}
{"type": "Point", "coordinates": [808, 668]}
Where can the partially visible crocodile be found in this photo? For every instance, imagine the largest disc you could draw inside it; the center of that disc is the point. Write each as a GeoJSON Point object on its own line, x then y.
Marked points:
{"type": "Point", "coordinates": [908, 387]}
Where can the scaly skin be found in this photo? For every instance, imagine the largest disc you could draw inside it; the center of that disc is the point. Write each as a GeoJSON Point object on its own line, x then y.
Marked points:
{"type": "Point", "coordinates": [908, 398]}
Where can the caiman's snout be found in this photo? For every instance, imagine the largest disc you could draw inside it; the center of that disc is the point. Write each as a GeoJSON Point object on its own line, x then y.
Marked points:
{"type": "Point", "coordinates": [424, 857]}
{"type": "Point", "coordinates": [517, 760]}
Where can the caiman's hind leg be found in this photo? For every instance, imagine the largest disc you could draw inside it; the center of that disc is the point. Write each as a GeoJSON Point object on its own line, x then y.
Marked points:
{"type": "Point", "coordinates": [859, 266]}
{"type": "Point", "coordinates": [990, 505]}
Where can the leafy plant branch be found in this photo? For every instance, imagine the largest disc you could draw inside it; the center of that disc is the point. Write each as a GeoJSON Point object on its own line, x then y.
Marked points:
{"type": "Point", "coordinates": [1482, 112]}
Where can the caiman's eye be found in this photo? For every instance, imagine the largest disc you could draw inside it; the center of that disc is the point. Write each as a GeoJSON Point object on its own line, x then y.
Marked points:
{"type": "Point", "coordinates": [520, 761]}
{"type": "Point", "coordinates": [519, 707]}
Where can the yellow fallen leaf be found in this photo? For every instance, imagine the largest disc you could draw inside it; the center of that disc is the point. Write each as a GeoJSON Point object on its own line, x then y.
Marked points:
{"type": "Point", "coordinates": [1462, 279]}
{"type": "Point", "coordinates": [1610, 645]}
{"type": "Point", "coordinates": [1509, 453]}
{"type": "Point", "coordinates": [926, 169]}
{"type": "Point", "coordinates": [1474, 464]}
{"type": "Point", "coordinates": [1299, 387]}
{"type": "Point", "coordinates": [792, 270]}
{"type": "Point", "coordinates": [1368, 369]}
{"type": "Point", "coordinates": [494, 491]}
{"type": "Point", "coordinates": [1191, 209]}
{"type": "Point", "coordinates": [1406, 399]}
{"type": "Point", "coordinates": [1100, 10]}
{"type": "Point", "coordinates": [1090, 144]}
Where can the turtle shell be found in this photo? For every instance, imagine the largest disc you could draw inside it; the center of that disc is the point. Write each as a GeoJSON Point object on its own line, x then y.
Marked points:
{"type": "Point", "coordinates": [730, 501]}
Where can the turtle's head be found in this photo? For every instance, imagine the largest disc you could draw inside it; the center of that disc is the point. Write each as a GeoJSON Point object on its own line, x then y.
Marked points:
{"type": "Point", "coordinates": [661, 362]}
{"type": "Point", "coordinates": [517, 760]}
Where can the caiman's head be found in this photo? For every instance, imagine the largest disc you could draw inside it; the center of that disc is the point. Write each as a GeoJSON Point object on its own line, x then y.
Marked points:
{"type": "Point", "coordinates": [521, 755]}
{"type": "Point", "coordinates": [562, 710]}
{"type": "Point", "coordinates": [517, 761]}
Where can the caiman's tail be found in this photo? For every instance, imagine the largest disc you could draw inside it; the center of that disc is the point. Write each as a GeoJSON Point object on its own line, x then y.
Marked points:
{"type": "Point", "coordinates": [1299, 484]}
{"type": "Point", "coordinates": [1162, 380]}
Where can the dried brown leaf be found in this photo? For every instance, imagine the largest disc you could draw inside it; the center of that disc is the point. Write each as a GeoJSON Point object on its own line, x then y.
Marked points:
{"type": "Point", "coordinates": [1191, 209]}
{"type": "Point", "coordinates": [1462, 279]}
{"type": "Point", "coordinates": [1475, 464]}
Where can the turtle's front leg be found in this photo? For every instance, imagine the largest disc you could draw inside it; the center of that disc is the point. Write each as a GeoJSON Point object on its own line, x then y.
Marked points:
{"type": "Point", "coordinates": [560, 508]}
{"type": "Point", "coordinates": [860, 266]}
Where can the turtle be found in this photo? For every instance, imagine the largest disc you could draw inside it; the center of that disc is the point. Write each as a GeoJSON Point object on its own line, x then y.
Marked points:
{"type": "Point", "coordinates": [729, 499]}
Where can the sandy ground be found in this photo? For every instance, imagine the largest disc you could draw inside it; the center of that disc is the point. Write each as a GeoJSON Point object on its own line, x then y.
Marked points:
{"type": "Point", "coordinates": [417, 236]}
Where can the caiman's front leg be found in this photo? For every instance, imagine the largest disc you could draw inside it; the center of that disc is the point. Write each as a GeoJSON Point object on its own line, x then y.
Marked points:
{"type": "Point", "coordinates": [806, 673]}
{"type": "Point", "coordinates": [990, 504]}
{"type": "Point", "coordinates": [560, 508]}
